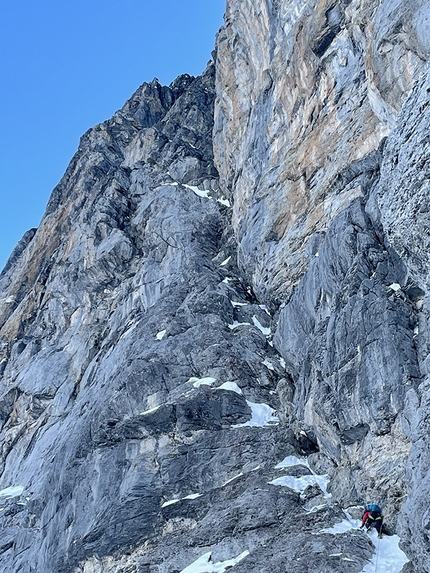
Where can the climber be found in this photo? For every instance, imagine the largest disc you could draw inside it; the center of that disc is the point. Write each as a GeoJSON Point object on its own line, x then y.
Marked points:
{"type": "Point", "coordinates": [372, 517]}
{"type": "Point", "coordinates": [364, 518]}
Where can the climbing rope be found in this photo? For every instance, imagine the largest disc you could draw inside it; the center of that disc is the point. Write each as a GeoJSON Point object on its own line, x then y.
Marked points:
{"type": "Point", "coordinates": [377, 555]}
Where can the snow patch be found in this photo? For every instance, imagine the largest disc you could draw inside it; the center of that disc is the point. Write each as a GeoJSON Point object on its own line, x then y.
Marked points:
{"type": "Point", "coordinates": [257, 323]}
{"type": "Point", "coordinates": [171, 502]}
{"type": "Point", "coordinates": [262, 415]}
{"type": "Point", "coordinates": [198, 192]}
{"type": "Point", "coordinates": [13, 491]}
{"type": "Point", "coordinates": [342, 527]}
{"type": "Point", "coordinates": [395, 287]}
{"type": "Point", "coordinates": [268, 364]}
{"type": "Point", "coordinates": [130, 329]}
{"type": "Point", "coordinates": [232, 386]}
{"type": "Point", "coordinates": [160, 335]}
{"type": "Point", "coordinates": [177, 500]}
{"type": "Point", "coordinates": [227, 260]}
{"type": "Point", "coordinates": [7, 300]}
{"type": "Point", "coordinates": [317, 508]}
{"type": "Point", "coordinates": [291, 461]}
{"type": "Point", "coordinates": [232, 479]}
{"type": "Point", "coordinates": [237, 324]}
{"type": "Point", "coordinates": [204, 564]}
{"type": "Point", "coordinates": [146, 412]}
{"type": "Point", "coordinates": [299, 484]}
{"type": "Point", "coordinates": [206, 381]}
{"type": "Point", "coordinates": [264, 307]}
{"type": "Point", "coordinates": [388, 557]}
{"type": "Point", "coordinates": [238, 304]}
{"type": "Point", "coordinates": [224, 202]}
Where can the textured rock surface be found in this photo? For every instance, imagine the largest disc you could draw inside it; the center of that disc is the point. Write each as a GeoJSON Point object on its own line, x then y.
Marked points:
{"type": "Point", "coordinates": [116, 420]}
{"type": "Point", "coordinates": [305, 90]}
{"type": "Point", "coordinates": [401, 198]}
{"type": "Point", "coordinates": [348, 339]}
{"type": "Point", "coordinates": [232, 271]}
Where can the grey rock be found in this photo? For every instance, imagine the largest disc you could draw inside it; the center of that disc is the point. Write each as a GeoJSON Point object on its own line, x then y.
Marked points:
{"type": "Point", "coordinates": [161, 352]}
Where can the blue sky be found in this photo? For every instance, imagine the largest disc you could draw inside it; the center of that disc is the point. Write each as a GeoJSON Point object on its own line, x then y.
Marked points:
{"type": "Point", "coordinates": [67, 65]}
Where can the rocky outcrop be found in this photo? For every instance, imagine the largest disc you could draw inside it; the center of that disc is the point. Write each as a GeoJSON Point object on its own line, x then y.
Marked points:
{"type": "Point", "coordinates": [138, 398]}
{"type": "Point", "coordinates": [305, 91]}
{"type": "Point", "coordinates": [314, 89]}
{"type": "Point", "coordinates": [216, 341]}
{"type": "Point", "coordinates": [401, 199]}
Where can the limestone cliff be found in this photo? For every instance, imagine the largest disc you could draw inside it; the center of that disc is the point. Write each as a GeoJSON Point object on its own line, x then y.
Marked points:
{"type": "Point", "coordinates": [215, 344]}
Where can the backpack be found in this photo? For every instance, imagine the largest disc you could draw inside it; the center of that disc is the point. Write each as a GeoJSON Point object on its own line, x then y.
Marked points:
{"type": "Point", "coordinates": [373, 507]}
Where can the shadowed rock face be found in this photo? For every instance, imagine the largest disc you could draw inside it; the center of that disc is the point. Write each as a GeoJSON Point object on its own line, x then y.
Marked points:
{"type": "Point", "coordinates": [401, 199]}
{"type": "Point", "coordinates": [232, 272]}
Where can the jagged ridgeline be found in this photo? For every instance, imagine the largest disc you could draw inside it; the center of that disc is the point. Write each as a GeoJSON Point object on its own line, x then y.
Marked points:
{"type": "Point", "coordinates": [214, 348]}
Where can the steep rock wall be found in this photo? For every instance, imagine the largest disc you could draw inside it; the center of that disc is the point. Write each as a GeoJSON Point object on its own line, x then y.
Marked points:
{"type": "Point", "coordinates": [400, 201]}
{"type": "Point", "coordinates": [138, 390]}
{"type": "Point", "coordinates": [307, 93]}
{"type": "Point", "coordinates": [305, 89]}
{"type": "Point", "coordinates": [134, 339]}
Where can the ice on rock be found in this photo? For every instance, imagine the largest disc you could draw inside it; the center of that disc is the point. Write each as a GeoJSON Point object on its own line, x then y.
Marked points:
{"type": "Point", "coordinates": [206, 381]}
{"type": "Point", "coordinates": [204, 564]}
{"type": "Point", "coordinates": [262, 415]}
{"type": "Point", "coordinates": [232, 386]}
{"type": "Point", "coordinates": [161, 335]}
{"type": "Point", "coordinates": [12, 491]}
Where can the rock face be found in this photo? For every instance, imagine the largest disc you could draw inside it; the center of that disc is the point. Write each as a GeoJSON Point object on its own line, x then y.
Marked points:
{"type": "Point", "coordinates": [305, 91]}
{"type": "Point", "coordinates": [217, 338]}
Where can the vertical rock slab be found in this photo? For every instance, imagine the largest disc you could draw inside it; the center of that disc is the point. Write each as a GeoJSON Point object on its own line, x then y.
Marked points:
{"type": "Point", "coordinates": [347, 336]}
{"type": "Point", "coordinates": [305, 89]}
{"type": "Point", "coordinates": [401, 200]}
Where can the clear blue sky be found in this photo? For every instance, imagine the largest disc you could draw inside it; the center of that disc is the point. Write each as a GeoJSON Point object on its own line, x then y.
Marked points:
{"type": "Point", "coordinates": [65, 66]}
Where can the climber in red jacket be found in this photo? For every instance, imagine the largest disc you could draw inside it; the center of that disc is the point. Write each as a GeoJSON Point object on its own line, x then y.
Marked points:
{"type": "Point", "coordinates": [364, 518]}
{"type": "Point", "coordinates": [372, 517]}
